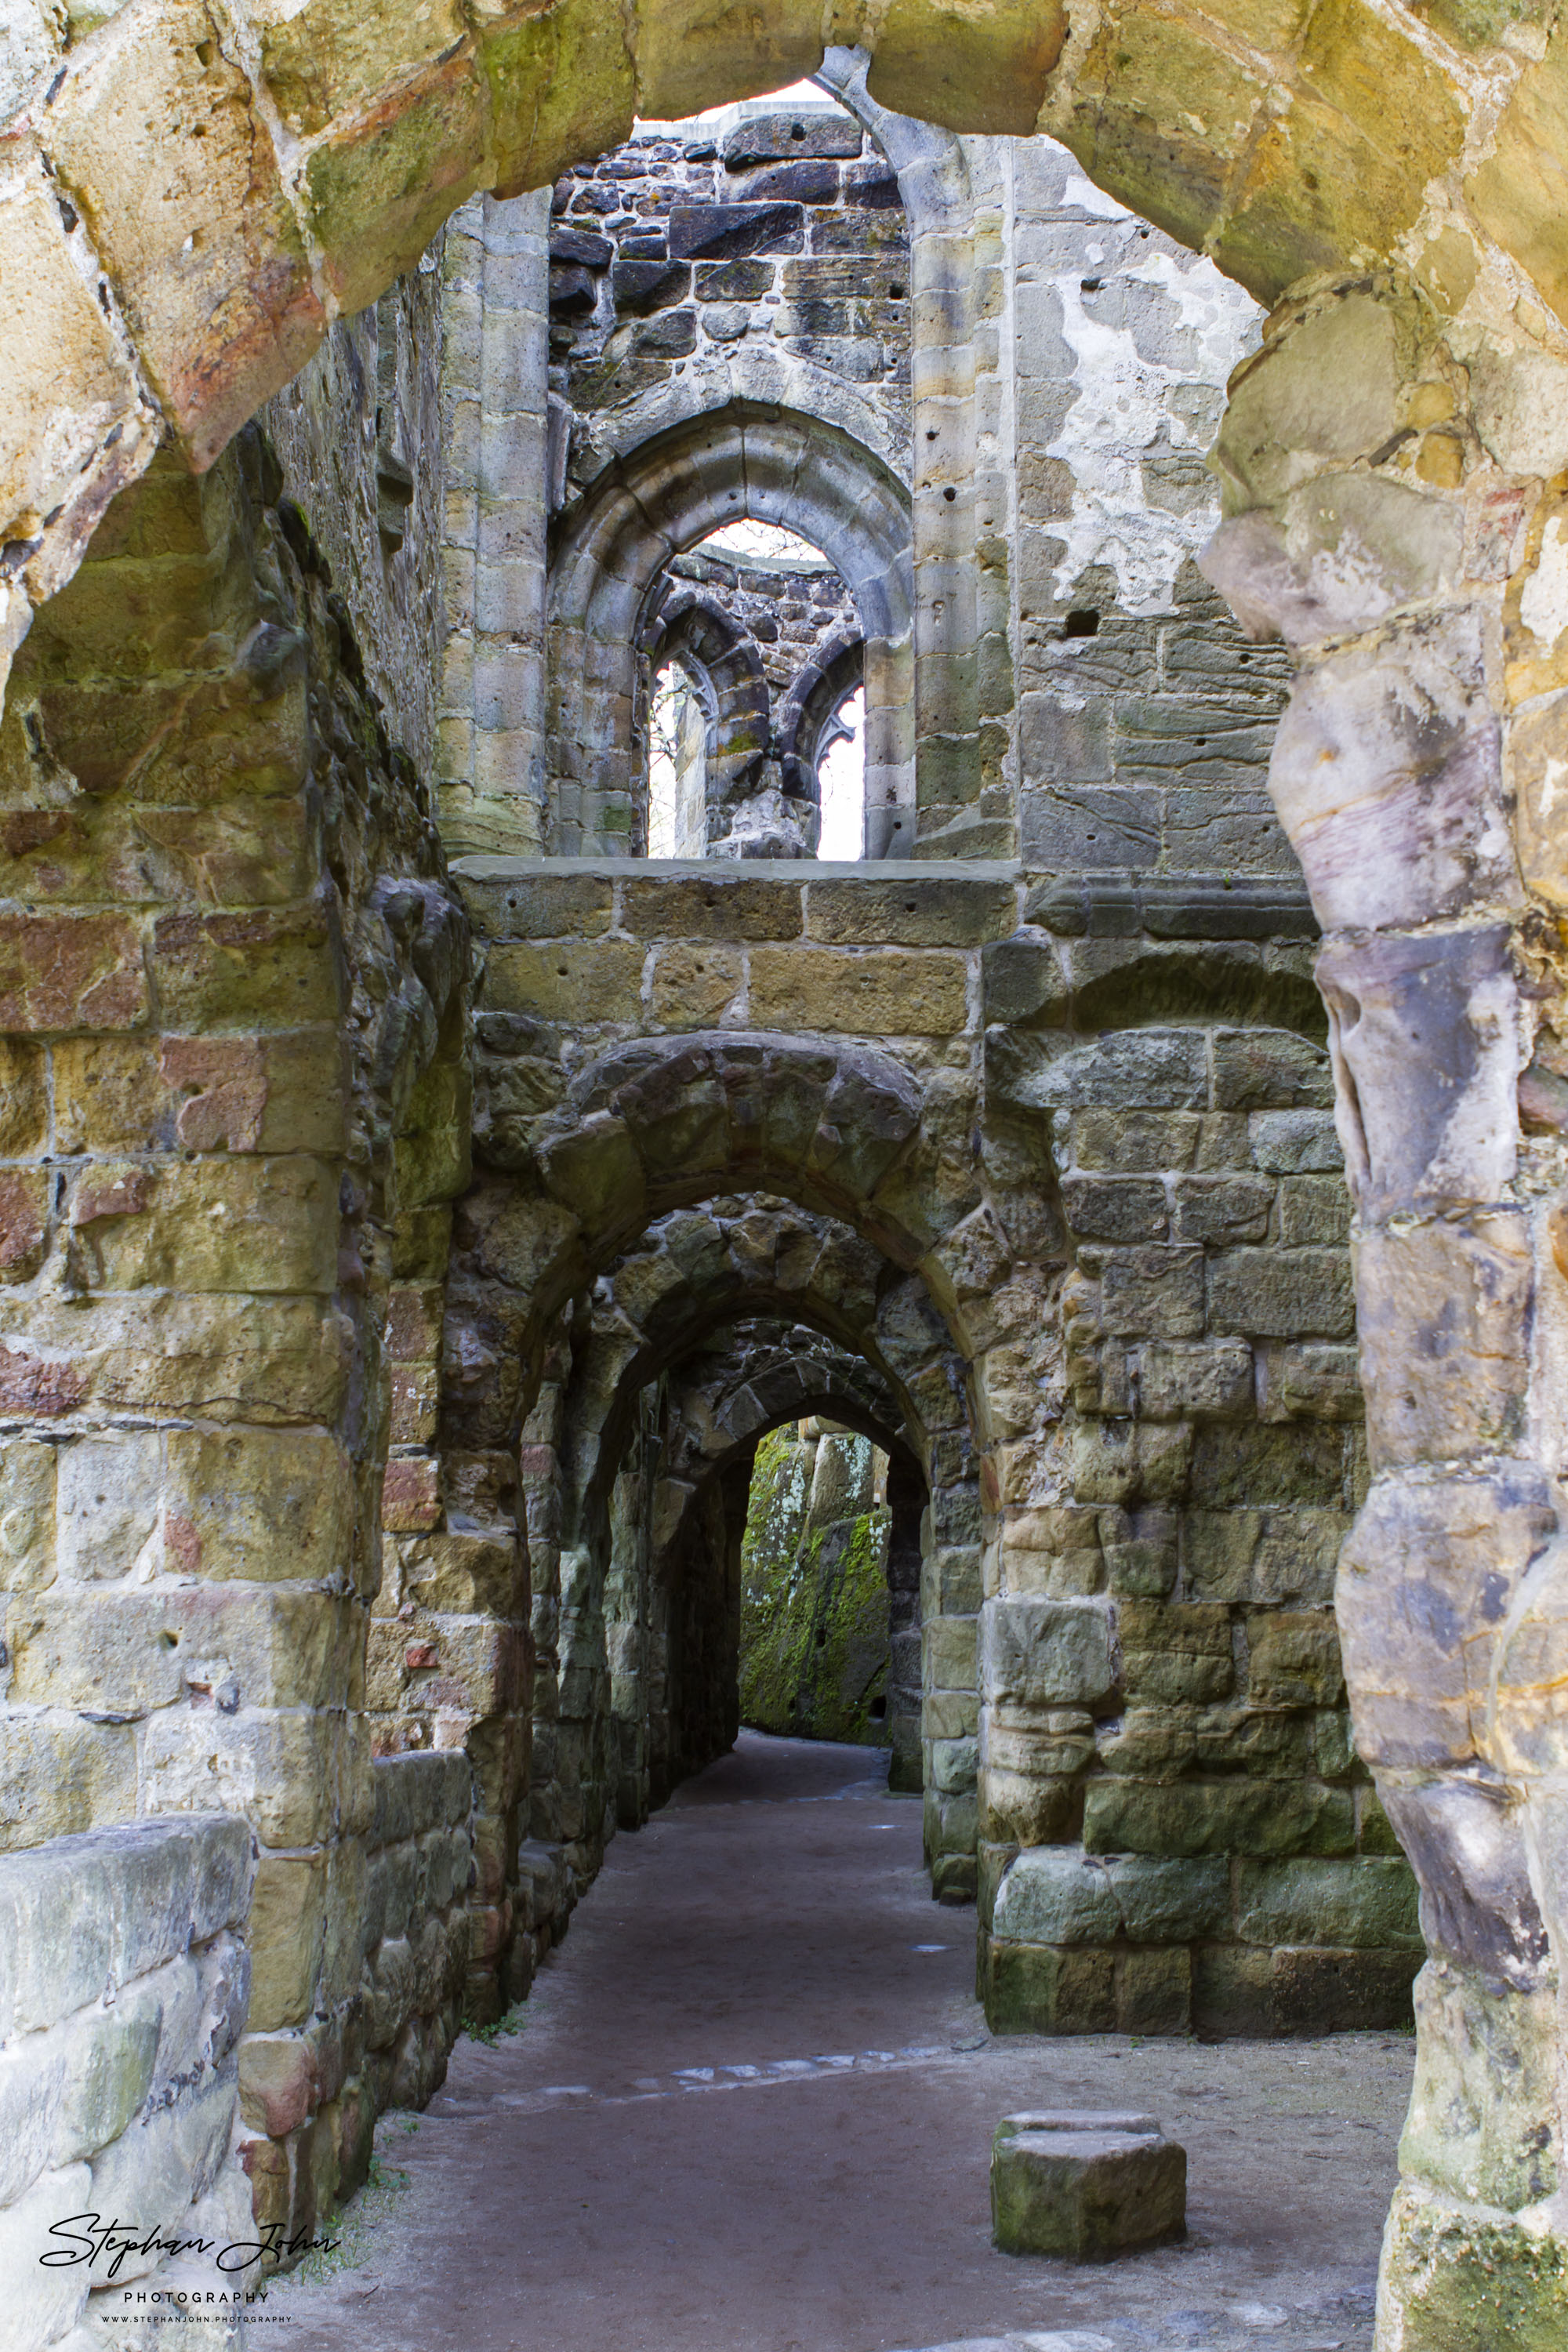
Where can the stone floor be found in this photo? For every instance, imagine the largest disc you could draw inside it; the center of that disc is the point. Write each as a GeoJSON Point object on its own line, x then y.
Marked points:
{"type": "Point", "coordinates": [750, 2111]}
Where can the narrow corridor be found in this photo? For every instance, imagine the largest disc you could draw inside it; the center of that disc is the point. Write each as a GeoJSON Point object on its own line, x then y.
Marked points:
{"type": "Point", "coordinates": [750, 2111]}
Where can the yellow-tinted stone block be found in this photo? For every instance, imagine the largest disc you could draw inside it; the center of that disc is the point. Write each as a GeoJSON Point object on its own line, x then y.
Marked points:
{"type": "Point", "coordinates": [695, 986]}
{"type": "Point", "coordinates": [866, 993]}
{"type": "Point", "coordinates": [573, 980]}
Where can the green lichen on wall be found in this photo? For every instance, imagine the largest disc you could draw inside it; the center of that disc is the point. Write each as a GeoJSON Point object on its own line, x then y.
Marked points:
{"type": "Point", "coordinates": [814, 1604]}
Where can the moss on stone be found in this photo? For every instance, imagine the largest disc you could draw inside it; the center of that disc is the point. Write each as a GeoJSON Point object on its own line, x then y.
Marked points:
{"type": "Point", "coordinates": [814, 1608]}
{"type": "Point", "coordinates": [1465, 2284]}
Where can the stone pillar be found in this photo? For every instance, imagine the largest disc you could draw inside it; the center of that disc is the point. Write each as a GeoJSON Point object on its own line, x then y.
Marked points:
{"type": "Point", "coordinates": [495, 403]}
{"type": "Point", "coordinates": [1396, 511]}
{"type": "Point", "coordinates": [955, 724]}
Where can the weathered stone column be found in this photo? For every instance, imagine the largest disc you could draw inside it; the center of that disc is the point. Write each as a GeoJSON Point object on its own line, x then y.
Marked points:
{"type": "Point", "coordinates": [1396, 510]}
{"type": "Point", "coordinates": [495, 413]}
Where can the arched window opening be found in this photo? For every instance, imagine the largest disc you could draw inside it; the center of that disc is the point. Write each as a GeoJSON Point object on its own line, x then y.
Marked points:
{"type": "Point", "coordinates": [743, 634]}
{"type": "Point", "coordinates": [676, 767]}
{"type": "Point", "coordinates": [841, 779]}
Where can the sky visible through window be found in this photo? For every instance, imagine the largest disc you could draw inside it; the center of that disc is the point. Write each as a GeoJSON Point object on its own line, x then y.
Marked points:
{"type": "Point", "coordinates": [841, 779]}
{"type": "Point", "coordinates": [770, 540]}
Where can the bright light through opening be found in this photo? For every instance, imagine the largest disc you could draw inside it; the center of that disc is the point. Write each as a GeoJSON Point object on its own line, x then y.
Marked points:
{"type": "Point", "coordinates": [768, 541]}
{"type": "Point", "coordinates": [841, 781]}
{"type": "Point", "coordinates": [676, 768]}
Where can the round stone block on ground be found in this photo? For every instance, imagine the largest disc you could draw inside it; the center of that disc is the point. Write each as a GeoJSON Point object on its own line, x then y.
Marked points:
{"type": "Point", "coordinates": [1085, 2185]}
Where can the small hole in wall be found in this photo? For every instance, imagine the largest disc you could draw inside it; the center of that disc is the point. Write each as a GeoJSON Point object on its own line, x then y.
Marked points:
{"type": "Point", "coordinates": [560, 971]}
{"type": "Point", "coordinates": [931, 432]}
{"type": "Point", "coordinates": [950, 496]}
{"type": "Point", "coordinates": [895, 293]}
{"type": "Point", "coordinates": [1081, 624]}
{"type": "Point", "coordinates": [1089, 284]}
{"type": "Point", "coordinates": [170, 1641]}
{"type": "Point", "coordinates": [878, 1710]}
{"type": "Point", "coordinates": [797, 131]}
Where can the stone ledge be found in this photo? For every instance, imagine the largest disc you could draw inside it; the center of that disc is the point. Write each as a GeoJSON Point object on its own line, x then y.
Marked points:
{"type": "Point", "coordinates": [85, 1914]}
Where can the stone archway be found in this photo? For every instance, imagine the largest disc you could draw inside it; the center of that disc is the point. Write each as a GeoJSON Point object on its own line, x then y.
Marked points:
{"type": "Point", "coordinates": [672, 1608]}
{"type": "Point", "coordinates": [693, 1272]}
{"type": "Point", "coordinates": [201, 252]}
{"type": "Point", "coordinates": [772, 466]}
{"type": "Point", "coordinates": [169, 284]}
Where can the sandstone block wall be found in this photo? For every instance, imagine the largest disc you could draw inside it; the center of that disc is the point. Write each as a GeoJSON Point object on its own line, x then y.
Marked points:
{"type": "Point", "coordinates": [418, 1876]}
{"type": "Point", "coordinates": [1072, 689]}
{"type": "Point", "coordinates": [235, 1018]}
{"type": "Point", "coordinates": [1144, 717]}
{"type": "Point", "coordinates": [1126, 1592]}
{"type": "Point", "coordinates": [124, 1981]}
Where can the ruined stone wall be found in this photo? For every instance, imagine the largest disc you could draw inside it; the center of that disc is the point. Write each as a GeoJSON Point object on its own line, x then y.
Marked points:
{"type": "Point", "coordinates": [122, 2001]}
{"type": "Point", "coordinates": [238, 1045]}
{"type": "Point", "coordinates": [1402, 176]}
{"type": "Point", "coordinates": [1212, 1461]}
{"type": "Point", "coordinates": [415, 1930]}
{"type": "Point", "coordinates": [360, 437]}
{"type": "Point", "coordinates": [692, 266]}
{"type": "Point", "coordinates": [1143, 716]}
{"type": "Point", "coordinates": [1125, 1616]}
{"type": "Point", "coordinates": [767, 294]}
{"type": "Point", "coordinates": [1075, 692]}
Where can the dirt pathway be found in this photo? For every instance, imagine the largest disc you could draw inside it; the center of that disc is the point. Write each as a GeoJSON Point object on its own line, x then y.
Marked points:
{"type": "Point", "coordinates": [750, 2108]}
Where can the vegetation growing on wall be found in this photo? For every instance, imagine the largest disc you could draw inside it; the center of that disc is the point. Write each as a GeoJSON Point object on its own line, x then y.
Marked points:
{"type": "Point", "coordinates": [814, 1593]}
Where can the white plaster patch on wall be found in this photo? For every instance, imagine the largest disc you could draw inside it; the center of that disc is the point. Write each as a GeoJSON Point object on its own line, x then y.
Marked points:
{"type": "Point", "coordinates": [1543, 606]}
{"type": "Point", "coordinates": [1082, 196]}
{"type": "Point", "coordinates": [32, 36]}
{"type": "Point", "coordinates": [1154, 385]}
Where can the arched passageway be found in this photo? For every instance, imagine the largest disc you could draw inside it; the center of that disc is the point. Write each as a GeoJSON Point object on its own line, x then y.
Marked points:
{"type": "Point", "coordinates": [1390, 455]}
